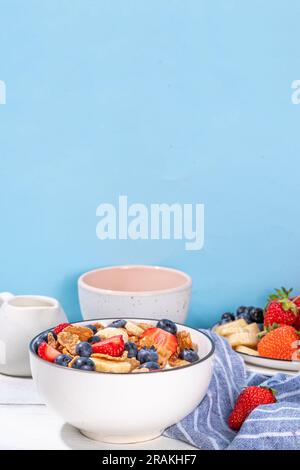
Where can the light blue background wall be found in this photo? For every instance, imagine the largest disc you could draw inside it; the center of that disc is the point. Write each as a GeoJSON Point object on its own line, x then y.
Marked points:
{"type": "Point", "coordinates": [164, 101]}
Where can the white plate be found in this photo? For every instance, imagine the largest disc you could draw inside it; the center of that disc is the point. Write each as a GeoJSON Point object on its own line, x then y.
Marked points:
{"type": "Point", "coordinates": [277, 364]}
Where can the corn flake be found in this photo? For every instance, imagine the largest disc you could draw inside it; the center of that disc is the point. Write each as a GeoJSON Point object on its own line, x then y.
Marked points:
{"type": "Point", "coordinates": [72, 361]}
{"type": "Point", "coordinates": [51, 340]}
{"type": "Point", "coordinates": [184, 340]}
{"type": "Point", "coordinates": [99, 326]}
{"type": "Point", "coordinates": [111, 358]}
{"type": "Point", "coordinates": [82, 332]}
{"type": "Point", "coordinates": [174, 361]}
{"type": "Point", "coordinates": [68, 340]}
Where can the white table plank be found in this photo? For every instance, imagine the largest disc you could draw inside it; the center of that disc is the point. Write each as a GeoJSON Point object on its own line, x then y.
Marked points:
{"type": "Point", "coordinates": [16, 390]}
{"type": "Point", "coordinates": [35, 427]}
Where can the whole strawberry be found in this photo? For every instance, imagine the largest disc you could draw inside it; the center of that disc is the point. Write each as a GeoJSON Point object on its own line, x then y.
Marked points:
{"type": "Point", "coordinates": [248, 400]}
{"type": "Point", "coordinates": [280, 309]}
{"type": "Point", "coordinates": [296, 325]}
{"type": "Point", "coordinates": [280, 343]}
{"type": "Point", "coordinates": [296, 301]}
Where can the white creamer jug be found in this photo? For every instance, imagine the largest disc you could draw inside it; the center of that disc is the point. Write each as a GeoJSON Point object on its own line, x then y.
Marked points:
{"type": "Point", "coordinates": [21, 318]}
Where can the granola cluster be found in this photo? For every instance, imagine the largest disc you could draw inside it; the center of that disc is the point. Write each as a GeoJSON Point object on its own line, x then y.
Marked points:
{"type": "Point", "coordinates": [120, 347]}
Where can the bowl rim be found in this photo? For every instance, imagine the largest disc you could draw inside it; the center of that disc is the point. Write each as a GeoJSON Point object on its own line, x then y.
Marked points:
{"type": "Point", "coordinates": [174, 369]}
{"type": "Point", "coordinates": [185, 285]}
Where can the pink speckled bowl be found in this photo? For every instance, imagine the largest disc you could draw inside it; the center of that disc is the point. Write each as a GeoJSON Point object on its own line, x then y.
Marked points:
{"type": "Point", "coordinates": [135, 291]}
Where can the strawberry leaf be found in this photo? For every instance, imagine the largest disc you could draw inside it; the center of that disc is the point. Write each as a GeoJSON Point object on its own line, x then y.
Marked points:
{"type": "Point", "coordinates": [282, 293]}
{"type": "Point", "coordinates": [288, 305]}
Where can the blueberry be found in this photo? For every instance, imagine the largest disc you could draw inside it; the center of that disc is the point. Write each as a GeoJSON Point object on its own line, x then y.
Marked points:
{"type": "Point", "coordinates": [167, 325]}
{"type": "Point", "coordinates": [117, 324]}
{"type": "Point", "coordinates": [147, 354]}
{"type": "Point", "coordinates": [63, 360]}
{"type": "Point", "coordinates": [245, 316]}
{"type": "Point", "coordinates": [132, 349]}
{"type": "Point", "coordinates": [228, 316]}
{"type": "Point", "coordinates": [44, 336]}
{"type": "Point", "coordinates": [92, 327]}
{"type": "Point", "coordinates": [84, 349]}
{"type": "Point", "coordinates": [257, 315]}
{"type": "Point", "coordinates": [40, 339]}
{"type": "Point", "coordinates": [149, 365]}
{"type": "Point", "coordinates": [189, 355]}
{"type": "Point", "coordinates": [260, 326]}
{"type": "Point", "coordinates": [249, 309]}
{"type": "Point", "coordinates": [84, 363]}
{"type": "Point", "coordinates": [240, 310]}
{"type": "Point", "coordinates": [94, 339]}
{"type": "Point", "coordinates": [37, 343]}
{"type": "Point", "coordinates": [88, 367]}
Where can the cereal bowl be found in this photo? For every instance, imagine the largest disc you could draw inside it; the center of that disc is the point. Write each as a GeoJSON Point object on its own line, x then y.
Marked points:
{"type": "Point", "coordinates": [125, 407]}
{"type": "Point", "coordinates": [136, 291]}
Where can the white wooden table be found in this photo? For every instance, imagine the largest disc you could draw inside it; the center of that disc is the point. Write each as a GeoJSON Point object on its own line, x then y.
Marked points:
{"type": "Point", "coordinates": [26, 423]}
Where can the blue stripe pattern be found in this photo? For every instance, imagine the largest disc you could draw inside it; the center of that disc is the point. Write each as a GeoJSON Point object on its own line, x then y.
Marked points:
{"type": "Point", "coordinates": [275, 426]}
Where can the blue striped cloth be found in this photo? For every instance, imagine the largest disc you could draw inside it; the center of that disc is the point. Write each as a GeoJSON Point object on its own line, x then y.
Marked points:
{"type": "Point", "coordinates": [275, 426]}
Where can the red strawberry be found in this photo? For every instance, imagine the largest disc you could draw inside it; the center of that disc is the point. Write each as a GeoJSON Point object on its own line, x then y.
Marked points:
{"type": "Point", "coordinates": [296, 301]}
{"type": "Point", "coordinates": [296, 325]}
{"type": "Point", "coordinates": [280, 309]}
{"type": "Point", "coordinates": [161, 339]}
{"type": "Point", "coordinates": [249, 399]}
{"type": "Point", "coordinates": [280, 343]}
{"type": "Point", "coordinates": [60, 327]}
{"type": "Point", "coordinates": [47, 352]}
{"type": "Point", "coordinates": [113, 346]}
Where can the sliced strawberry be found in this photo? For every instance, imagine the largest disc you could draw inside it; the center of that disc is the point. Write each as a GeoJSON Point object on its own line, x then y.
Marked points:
{"type": "Point", "coordinates": [47, 352]}
{"type": "Point", "coordinates": [60, 327]}
{"type": "Point", "coordinates": [161, 339]}
{"type": "Point", "coordinates": [113, 346]}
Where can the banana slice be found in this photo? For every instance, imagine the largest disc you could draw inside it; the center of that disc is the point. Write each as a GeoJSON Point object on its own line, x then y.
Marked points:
{"type": "Point", "coordinates": [245, 350]}
{"type": "Point", "coordinates": [243, 338]}
{"type": "Point", "coordinates": [103, 365]}
{"type": "Point", "coordinates": [133, 329]}
{"type": "Point", "coordinates": [230, 328]}
{"type": "Point", "coordinates": [110, 332]}
{"type": "Point", "coordinates": [252, 328]}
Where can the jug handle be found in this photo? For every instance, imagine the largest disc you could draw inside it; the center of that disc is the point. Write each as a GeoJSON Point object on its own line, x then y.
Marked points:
{"type": "Point", "coordinates": [5, 297]}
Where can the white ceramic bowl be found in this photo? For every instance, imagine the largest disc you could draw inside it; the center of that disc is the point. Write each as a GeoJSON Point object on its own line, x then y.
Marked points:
{"type": "Point", "coordinates": [135, 291]}
{"type": "Point", "coordinates": [125, 408]}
